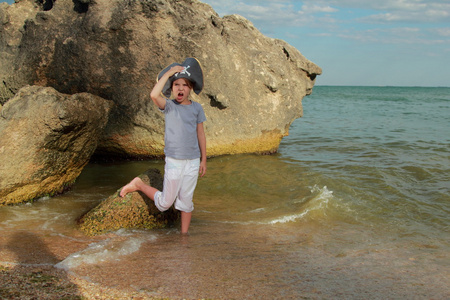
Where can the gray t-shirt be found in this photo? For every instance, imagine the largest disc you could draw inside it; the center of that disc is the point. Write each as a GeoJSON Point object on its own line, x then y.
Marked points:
{"type": "Point", "coordinates": [180, 138]}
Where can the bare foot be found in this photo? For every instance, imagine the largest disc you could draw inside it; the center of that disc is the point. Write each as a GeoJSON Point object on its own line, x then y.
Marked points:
{"type": "Point", "coordinates": [131, 187]}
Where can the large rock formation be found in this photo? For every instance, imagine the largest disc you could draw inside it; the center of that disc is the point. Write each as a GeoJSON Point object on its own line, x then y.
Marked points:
{"type": "Point", "coordinates": [46, 139]}
{"type": "Point", "coordinates": [114, 49]}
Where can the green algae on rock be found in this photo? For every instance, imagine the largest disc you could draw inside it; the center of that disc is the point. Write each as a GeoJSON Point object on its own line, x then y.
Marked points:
{"type": "Point", "coordinates": [135, 210]}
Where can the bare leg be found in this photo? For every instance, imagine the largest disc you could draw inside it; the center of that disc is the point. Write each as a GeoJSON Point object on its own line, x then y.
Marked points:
{"type": "Point", "coordinates": [138, 185]}
{"type": "Point", "coordinates": [185, 221]}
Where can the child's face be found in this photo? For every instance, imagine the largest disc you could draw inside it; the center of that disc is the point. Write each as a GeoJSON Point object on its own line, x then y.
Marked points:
{"type": "Point", "coordinates": [181, 90]}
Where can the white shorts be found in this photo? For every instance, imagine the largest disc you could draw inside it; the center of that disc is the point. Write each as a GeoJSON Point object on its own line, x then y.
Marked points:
{"type": "Point", "coordinates": [180, 180]}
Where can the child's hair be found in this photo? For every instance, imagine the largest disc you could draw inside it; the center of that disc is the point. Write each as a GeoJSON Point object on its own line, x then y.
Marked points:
{"type": "Point", "coordinates": [189, 83]}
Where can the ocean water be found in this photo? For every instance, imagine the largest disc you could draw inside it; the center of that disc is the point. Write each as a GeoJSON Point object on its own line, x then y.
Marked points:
{"type": "Point", "coordinates": [383, 151]}
{"type": "Point", "coordinates": [354, 205]}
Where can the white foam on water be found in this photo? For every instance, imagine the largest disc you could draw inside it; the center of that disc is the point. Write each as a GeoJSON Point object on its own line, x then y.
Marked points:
{"type": "Point", "coordinates": [48, 224]}
{"type": "Point", "coordinates": [322, 199]}
{"type": "Point", "coordinates": [316, 207]}
{"type": "Point", "coordinates": [24, 214]}
{"type": "Point", "coordinates": [106, 250]}
{"type": "Point", "coordinates": [258, 210]}
{"type": "Point", "coordinates": [287, 219]}
{"type": "Point", "coordinates": [317, 203]}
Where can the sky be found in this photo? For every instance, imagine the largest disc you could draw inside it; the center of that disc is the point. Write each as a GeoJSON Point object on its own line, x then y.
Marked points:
{"type": "Point", "coordinates": [358, 42]}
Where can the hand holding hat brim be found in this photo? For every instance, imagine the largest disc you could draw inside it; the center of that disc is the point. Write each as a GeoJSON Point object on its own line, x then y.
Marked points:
{"type": "Point", "coordinates": [191, 71]}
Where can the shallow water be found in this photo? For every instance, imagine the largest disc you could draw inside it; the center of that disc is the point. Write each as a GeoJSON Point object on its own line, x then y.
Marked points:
{"type": "Point", "coordinates": [354, 205]}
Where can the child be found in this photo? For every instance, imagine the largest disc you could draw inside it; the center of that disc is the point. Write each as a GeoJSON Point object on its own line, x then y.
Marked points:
{"type": "Point", "coordinates": [185, 141]}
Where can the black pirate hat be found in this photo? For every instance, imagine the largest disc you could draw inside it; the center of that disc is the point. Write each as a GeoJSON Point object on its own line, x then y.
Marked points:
{"type": "Point", "coordinates": [192, 71]}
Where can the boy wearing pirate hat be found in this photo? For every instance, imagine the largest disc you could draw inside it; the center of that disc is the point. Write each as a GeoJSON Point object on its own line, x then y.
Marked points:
{"type": "Point", "coordinates": [185, 141]}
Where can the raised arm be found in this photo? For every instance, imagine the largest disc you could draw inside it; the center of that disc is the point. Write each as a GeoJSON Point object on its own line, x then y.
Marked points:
{"type": "Point", "coordinates": [156, 93]}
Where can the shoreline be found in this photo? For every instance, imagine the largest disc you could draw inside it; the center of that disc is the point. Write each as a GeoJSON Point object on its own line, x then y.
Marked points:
{"type": "Point", "coordinates": [220, 262]}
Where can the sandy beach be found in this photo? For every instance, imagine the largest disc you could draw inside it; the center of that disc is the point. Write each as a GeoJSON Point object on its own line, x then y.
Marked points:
{"type": "Point", "coordinates": [235, 264]}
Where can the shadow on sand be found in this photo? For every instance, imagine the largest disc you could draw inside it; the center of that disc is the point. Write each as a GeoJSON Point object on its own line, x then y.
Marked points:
{"type": "Point", "coordinates": [31, 274]}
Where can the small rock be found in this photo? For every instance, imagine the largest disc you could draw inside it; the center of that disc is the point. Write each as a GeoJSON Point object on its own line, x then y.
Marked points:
{"type": "Point", "coordinates": [135, 210]}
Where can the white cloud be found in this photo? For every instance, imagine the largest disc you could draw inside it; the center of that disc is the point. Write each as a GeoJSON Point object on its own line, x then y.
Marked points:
{"type": "Point", "coordinates": [314, 8]}
{"type": "Point", "coordinates": [297, 13]}
{"type": "Point", "coordinates": [348, 19]}
{"type": "Point", "coordinates": [445, 32]}
{"type": "Point", "coordinates": [269, 14]}
{"type": "Point", "coordinates": [425, 16]}
{"type": "Point", "coordinates": [401, 36]}
{"type": "Point", "coordinates": [398, 10]}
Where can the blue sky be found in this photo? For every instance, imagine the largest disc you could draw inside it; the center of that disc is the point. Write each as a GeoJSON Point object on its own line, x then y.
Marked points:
{"type": "Point", "coordinates": [359, 42]}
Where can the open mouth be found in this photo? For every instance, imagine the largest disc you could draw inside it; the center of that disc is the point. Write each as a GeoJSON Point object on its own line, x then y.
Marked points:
{"type": "Point", "coordinates": [180, 96]}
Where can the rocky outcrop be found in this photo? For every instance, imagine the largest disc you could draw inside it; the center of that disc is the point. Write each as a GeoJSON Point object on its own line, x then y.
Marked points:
{"type": "Point", "coordinates": [46, 138]}
{"type": "Point", "coordinates": [12, 19]}
{"type": "Point", "coordinates": [254, 85]}
{"type": "Point", "coordinates": [135, 210]}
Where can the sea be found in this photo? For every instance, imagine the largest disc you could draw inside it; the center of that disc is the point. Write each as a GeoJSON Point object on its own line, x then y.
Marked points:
{"type": "Point", "coordinates": [355, 205]}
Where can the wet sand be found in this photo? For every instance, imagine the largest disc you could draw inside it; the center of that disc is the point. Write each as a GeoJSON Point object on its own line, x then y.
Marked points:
{"type": "Point", "coordinates": [220, 262]}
